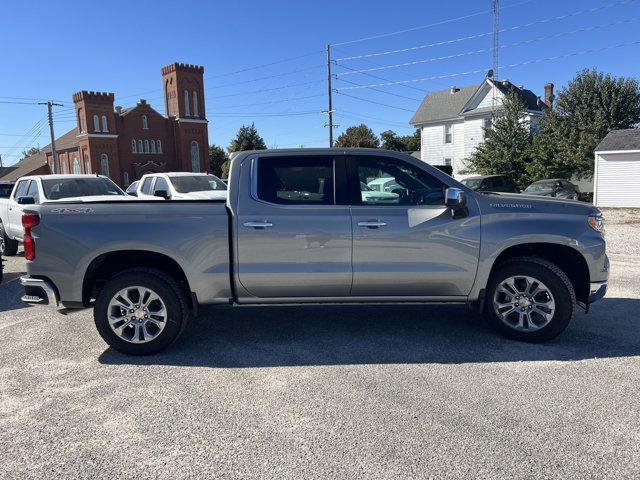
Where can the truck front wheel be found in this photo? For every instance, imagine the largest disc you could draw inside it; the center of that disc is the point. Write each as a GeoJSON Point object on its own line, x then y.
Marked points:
{"type": "Point", "coordinates": [8, 247]}
{"type": "Point", "coordinates": [140, 312]}
{"type": "Point", "coordinates": [529, 299]}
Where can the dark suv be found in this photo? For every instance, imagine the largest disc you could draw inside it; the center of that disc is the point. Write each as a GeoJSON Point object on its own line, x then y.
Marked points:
{"type": "Point", "coordinates": [490, 183]}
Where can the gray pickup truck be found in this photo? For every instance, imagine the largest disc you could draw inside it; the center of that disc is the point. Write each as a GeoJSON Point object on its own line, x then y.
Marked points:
{"type": "Point", "coordinates": [317, 226]}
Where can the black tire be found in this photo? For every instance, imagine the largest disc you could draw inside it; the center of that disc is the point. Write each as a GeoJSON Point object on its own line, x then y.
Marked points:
{"type": "Point", "coordinates": [556, 281]}
{"type": "Point", "coordinates": [165, 287]}
{"type": "Point", "coordinates": [8, 247]}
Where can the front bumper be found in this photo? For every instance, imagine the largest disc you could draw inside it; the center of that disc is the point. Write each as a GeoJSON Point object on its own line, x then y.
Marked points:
{"type": "Point", "coordinates": [39, 292]}
{"type": "Point", "coordinates": [597, 290]}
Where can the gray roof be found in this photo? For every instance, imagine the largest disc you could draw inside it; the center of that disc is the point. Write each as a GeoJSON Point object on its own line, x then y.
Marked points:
{"type": "Point", "coordinates": [628, 139]}
{"type": "Point", "coordinates": [444, 105]}
{"type": "Point", "coordinates": [26, 166]}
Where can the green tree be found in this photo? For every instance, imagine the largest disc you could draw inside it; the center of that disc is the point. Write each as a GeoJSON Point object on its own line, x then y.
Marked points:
{"type": "Point", "coordinates": [507, 148]}
{"type": "Point", "coordinates": [390, 140]}
{"type": "Point", "coordinates": [31, 151]}
{"type": "Point", "coordinates": [358, 136]}
{"type": "Point", "coordinates": [587, 109]}
{"type": "Point", "coordinates": [217, 158]}
{"type": "Point", "coordinates": [247, 138]}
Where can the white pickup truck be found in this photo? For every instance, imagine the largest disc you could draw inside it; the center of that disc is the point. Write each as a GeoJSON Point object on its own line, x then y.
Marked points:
{"type": "Point", "coordinates": [181, 186]}
{"type": "Point", "coordinates": [33, 190]}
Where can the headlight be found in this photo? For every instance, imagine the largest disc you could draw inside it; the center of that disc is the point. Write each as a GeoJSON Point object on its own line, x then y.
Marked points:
{"type": "Point", "coordinates": [597, 223]}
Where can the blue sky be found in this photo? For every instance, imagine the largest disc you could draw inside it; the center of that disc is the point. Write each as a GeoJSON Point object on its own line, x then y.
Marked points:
{"type": "Point", "coordinates": [51, 51]}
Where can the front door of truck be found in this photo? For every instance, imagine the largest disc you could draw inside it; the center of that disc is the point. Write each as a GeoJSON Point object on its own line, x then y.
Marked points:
{"type": "Point", "coordinates": [405, 241]}
{"type": "Point", "coordinates": [14, 209]}
{"type": "Point", "coordinates": [293, 231]}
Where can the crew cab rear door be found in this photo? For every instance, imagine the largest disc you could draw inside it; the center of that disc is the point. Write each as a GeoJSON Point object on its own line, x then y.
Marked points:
{"type": "Point", "coordinates": [293, 230]}
{"type": "Point", "coordinates": [405, 241]}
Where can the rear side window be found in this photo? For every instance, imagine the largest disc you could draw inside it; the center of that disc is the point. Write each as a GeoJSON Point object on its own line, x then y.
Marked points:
{"type": "Point", "coordinates": [33, 191]}
{"type": "Point", "coordinates": [21, 189]}
{"type": "Point", "coordinates": [161, 184]}
{"type": "Point", "coordinates": [296, 180]}
{"type": "Point", "coordinates": [146, 185]}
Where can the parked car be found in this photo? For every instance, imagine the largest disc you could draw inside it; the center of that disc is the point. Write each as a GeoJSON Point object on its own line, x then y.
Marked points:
{"type": "Point", "coordinates": [132, 189]}
{"type": "Point", "coordinates": [6, 188]}
{"type": "Point", "coordinates": [554, 187]}
{"type": "Point", "coordinates": [181, 186]}
{"type": "Point", "coordinates": [370, 195]}
{"type": "Point", "coordinates": [490, 183]}
{"type": "Point", "coordinates": [295, 228]}
{"type": "Point", "coordinates": [33, 190]}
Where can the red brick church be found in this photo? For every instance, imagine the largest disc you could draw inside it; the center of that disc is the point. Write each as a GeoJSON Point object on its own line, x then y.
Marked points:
{"type": "Point", "coordinates": [126, 143]}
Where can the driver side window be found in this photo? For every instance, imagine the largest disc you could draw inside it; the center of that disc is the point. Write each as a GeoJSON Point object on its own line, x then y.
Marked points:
{"type": "Point", "coordinates": [161, 184]}
{"type": "Point", "coordinates": [388, 181]}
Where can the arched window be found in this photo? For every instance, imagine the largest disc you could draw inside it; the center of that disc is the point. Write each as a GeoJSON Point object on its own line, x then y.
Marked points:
{"type": "Point", "coordinates": [153, 146]}
{"type": "Point", "coordinates": [195, 103]}
{"type": "Point", "coordinates": [104, 164]}
{"type": "Point", "coordinates": [140, 146]}
{"type": "Point", "coordinates": [87, 163]}
{"type": "Point", "coordinates": [195, 157]}
{"type": "Point", "coordinates": [133, 147]}
{"type": "Point", "coordinates": [96, 123]}
{"type": "Point", "coordinates": [158, 146]}
{"type": "Point", "coordinates": [81, 128]}
{"type": "Point", "coordinates": [104, 124]}
{"type": "Point", "coordinates": [125, 177]}
{"type": "Point", "coordinates": [145, 125]}
{"type": "Point", "coordinates": [146, 146]}
{"type": "Point", "coordinates": [186, 103]}
{"type": "Point", "coordinates": [75, 166]}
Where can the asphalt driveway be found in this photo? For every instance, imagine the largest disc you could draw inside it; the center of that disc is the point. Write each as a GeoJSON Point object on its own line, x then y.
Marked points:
{"type": "Point", "coordinates": [325, 392]}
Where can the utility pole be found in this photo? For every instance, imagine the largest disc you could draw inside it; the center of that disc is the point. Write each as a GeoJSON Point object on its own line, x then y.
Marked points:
{"type": "Point", "coordinates": [54, 153]}
{"type": "Point", "coordinates": [496, 27]}
{"type": "Point", "coordinates": [330, 92]}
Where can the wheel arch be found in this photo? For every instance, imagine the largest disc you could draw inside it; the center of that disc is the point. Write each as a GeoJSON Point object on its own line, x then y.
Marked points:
{"type": "Point", "coordinates": [567, 258]}
{"type": "Point", "coordinates": [106, 265]}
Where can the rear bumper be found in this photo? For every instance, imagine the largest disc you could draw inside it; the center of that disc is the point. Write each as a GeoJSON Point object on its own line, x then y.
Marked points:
{"type": "Point", "coordinates": [39, 292]}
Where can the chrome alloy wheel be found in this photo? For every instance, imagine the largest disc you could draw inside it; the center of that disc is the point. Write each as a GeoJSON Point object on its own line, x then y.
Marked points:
{"type": "Point", "coordinates": [137, 314]}
{"type": "Point", "coordinates": [523, 303]}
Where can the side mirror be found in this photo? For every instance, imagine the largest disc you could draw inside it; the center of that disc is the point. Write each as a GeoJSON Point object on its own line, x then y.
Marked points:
{"type": "Point", "coordinates": [26, 201]}
{"type": "Point", "coordinates": [162, 194]}
{"type": "Point", "coordinates": [454, 198]}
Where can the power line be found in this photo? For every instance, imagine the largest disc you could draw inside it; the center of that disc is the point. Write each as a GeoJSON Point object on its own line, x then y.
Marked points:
{"type": "Point", "coordinates": [421, 27]}
{"type": "Point", "coordinates": [359, 115]}
{"type": "Point", "coordinates": [485, 34]}
{"type": "Point", "coordinates": [378, 90]}
{"type": "Point", "coordinates": [371, 101]}
{"type": "Point", "coordinates": [513, 65]}
{"type": "Point", "coordinates": [274, 101]}
{"type": "Point", "coordinates": [484, 50]}
{"type": "Point", "coordinates": [269, 89]}
{"type": "Point", "coordinates": [264, 78]}
{"type": "Point", "coordinates": [253, 114]}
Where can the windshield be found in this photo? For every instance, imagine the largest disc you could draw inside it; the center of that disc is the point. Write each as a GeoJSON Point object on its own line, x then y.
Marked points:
{"type": "Point", "coordinates": [472, 183]}
{"type": "Point", "coordinates": [197, 183]}
{"type": "Point", "coordinates": [540, 187]}
{"type": "Point", "coordinates": [5, 190]}
{"type": "Point", "coordinates": [56, 189]}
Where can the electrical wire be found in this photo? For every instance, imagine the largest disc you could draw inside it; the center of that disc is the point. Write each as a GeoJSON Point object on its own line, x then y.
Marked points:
{"type": "Point", "coordinates": [484, 50]}
{"type": "Point", "coordinates": [513, 65]}
{"type": "Point", "coordinates": [430, 25]}
{"type": "Point", "coordinates": [372, 101]}
{"type": "Point", "coordinates": [480, 35]}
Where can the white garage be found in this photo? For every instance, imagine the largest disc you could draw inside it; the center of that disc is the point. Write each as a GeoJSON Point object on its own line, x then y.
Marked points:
{"type": "Point", "coordinates": [616, 181]}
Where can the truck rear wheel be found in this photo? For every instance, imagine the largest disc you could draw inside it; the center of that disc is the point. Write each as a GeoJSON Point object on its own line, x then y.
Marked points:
{"type": "Point", "coordinates": [529, 299]}
{"type": "Point", "coordinates": [8, 247]}
{"type": "Point", "coordinates": [140, 312]}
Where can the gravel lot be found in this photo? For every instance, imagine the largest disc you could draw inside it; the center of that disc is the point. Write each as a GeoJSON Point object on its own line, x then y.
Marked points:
{"type": "Point", "coordinates": [327, 392]}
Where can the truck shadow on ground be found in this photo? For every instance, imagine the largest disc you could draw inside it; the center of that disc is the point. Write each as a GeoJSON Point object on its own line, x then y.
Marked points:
{"type": "Point", "coordinates": [225, 337]}
{"type": "Point", "coordinates": [11, 292]}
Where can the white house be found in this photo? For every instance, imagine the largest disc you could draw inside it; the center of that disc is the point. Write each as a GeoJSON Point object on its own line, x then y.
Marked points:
{"type": "Point", "coordinates": [617, 170]}
{"type": "Point", "coordinates": [453, 121]}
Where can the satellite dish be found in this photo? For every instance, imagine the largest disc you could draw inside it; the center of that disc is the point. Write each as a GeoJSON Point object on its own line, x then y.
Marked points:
{"type": "Point", "coordinates": [490, 73]}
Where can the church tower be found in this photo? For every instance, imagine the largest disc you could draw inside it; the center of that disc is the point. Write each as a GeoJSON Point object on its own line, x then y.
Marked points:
{"type": "Point", "coordinates": [183, 86]}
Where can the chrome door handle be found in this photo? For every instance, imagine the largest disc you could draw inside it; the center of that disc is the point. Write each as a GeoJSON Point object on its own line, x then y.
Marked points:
{"type": "Point", "coordinates": [372, 224]}
{"type": "Point", "coordinates": [258, 224]}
